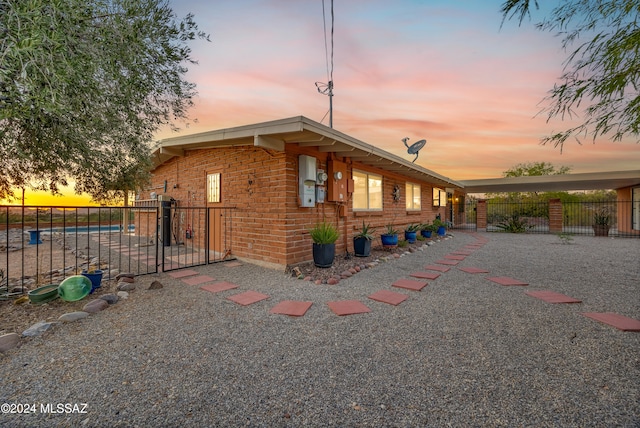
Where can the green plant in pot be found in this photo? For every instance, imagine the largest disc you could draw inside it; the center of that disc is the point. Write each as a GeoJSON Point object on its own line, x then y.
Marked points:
{"type": "Point", "coordinates": [389, 237]}
{"type": "Point", "coordinates": [362, 241]}
{"type": "Point", "coordinates": [324, 236]}
{"type": "Point", "coordinates": [441, 227]}
{"type": "Point", "coordinates": [601, 218]}
{"type": "Point", "coordinates": [410, 232]}
{"type": "Point", "coordinates": [426, 230]}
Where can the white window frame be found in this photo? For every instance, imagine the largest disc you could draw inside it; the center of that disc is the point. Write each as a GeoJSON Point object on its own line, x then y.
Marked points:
{"type": "Point", "coordinates": [410, 190]}
{"type": "Point", "coordinates": [368, 176]}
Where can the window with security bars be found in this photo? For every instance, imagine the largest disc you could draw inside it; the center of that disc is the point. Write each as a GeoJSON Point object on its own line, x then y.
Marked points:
{"type": "Point", "coordinates": [213, 187]}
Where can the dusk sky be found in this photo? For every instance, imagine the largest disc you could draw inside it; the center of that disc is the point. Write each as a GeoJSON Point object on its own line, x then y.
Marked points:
{"type": "Point", "coordinates": [440, 70]}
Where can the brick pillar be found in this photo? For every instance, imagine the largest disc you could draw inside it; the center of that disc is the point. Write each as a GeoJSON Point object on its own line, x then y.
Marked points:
{"type": "Point", "coordinates": [481, 215]}
{"type": "Point", "coordinates": [555, 216]}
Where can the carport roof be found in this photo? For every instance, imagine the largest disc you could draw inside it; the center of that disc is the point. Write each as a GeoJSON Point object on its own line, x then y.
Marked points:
{"type": "Point", "coordinates": [544, 183]}
{"type": "Point", "coordinates": [299, 130]}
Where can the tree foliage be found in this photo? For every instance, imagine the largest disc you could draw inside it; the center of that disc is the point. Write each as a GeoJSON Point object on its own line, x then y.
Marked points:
{"type": "Point", "coordinates": [535, 169]}
{"type": "Point", "coordinates": [84, 85]}
{"type": "Point", "coordinates": [601, 77]}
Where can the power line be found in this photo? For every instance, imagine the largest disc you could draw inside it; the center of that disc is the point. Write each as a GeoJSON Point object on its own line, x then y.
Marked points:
{"type": "Point", "coordinates": [327, 88]}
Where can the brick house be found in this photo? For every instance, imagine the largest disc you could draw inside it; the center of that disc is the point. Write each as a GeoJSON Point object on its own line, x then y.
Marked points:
{"type": "Point", "coordinates": [271, 175]}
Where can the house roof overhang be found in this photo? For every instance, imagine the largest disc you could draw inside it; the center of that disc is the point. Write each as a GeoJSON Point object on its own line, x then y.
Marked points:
{"type": "Point", "coordinates": [275, 135]}
{"type": "Point", "coordinates": [585, 181]}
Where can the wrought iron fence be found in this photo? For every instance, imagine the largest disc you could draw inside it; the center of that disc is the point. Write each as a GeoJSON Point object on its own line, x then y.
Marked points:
{"type": "Point", "coordinates": [40, 245]}
{"type": "Point", "coordinates": [531, 217]}
{"type": "Point", "coordinates": [600, 218]}
{"type": "Point", "coordinates": [45, 244]}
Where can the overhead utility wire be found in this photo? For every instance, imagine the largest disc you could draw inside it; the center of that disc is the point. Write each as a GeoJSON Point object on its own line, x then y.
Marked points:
{"type": "Point", "coordinates": [327, 88]}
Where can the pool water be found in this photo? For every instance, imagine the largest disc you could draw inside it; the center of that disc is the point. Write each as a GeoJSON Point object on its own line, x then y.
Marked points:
{"type": "Point", "coordinates": [87, 229]}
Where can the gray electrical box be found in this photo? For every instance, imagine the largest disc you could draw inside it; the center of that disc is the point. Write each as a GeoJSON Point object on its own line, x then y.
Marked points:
{"type": "Point", "coordinates": [307, 180]}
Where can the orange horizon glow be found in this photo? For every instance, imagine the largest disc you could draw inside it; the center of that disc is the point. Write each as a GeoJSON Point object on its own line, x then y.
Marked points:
{"type": "Point", "coordinates": [67, 198]}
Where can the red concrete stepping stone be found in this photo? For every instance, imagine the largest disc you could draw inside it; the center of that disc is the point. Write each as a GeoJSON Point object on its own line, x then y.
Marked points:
{"type": "Point", "coordinates": [448, 262]}
{"type": "Point", "coordinates": [247, 298]}
{"type": "Point", "coordinates": [463, 253]}
{"type": "Point", "coordinates": [233, 264]}
{"type": "Point", "coordinates": [291, 307]}
{"type": "Point", "coordinates": [618, 321]}
{"type": "Point", "coordinates": [182, 273]}
{"type": "Point", "coordinates": [218, 286]}
{"type": "Point", "coordinates": [197, 280]}
{"type": "Point", "coordinates": [437, 268]}
{"type": "Point", "coordinates": [425, 275]}
{"type": "Point", "coordinates": [390, 297]}
{"type": "Point", "coordinates": [409, 284]}
{"type": "Point", "coordinates": [348, 307]}
{"type": "Point", "coordinates": [473, 270]}
{"type": "Point", "coordinates": [454, 257]}
{"type": "Point", "coordinates": [505, 280]}
{"type": "Point", "coordinates": [552, 297]}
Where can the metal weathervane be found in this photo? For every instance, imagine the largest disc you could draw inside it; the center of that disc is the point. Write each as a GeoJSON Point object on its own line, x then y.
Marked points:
{"type": "Point", "coordinates": [415, 147]}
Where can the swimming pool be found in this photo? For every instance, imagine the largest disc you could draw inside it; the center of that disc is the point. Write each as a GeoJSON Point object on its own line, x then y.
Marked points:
{"type": "Point", "coordinates": [88, 229]}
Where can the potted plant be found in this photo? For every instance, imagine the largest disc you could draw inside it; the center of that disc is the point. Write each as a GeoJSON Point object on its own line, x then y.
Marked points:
{"type": "Point", "coordinates": [426, 230]}
{"type": "Point", "coordinates": [324, 236]}
{"type": "Point", "coordinates": [95, 276]}
{"type": "Point", "coordinates": [410, 232]}
{"type": "Point", "coordinates": [441, 227]}
{"type": "Point", "coordinates": [601, 219]}
{"type": "Point", "coordinates": [389, 237]}
{"type": "Point", "coordinates": [362, 241]}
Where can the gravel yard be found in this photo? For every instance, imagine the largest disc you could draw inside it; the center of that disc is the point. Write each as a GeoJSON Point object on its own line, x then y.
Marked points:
{"type": "Point", "coordinates": [464, 351]}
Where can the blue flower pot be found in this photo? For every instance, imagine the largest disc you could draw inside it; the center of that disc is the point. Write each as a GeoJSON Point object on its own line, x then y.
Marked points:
{"type": "Point", "coordinates": [426, 233]}
{"type": "Point", "coordinates": [410, 237]}
{"type": "Point", "coordinates": [323, 254]}
{"type": "Point", "coordinates": [442, 231]}
{"type": "Point", "coordinates": [95, 278]}
{"type": "Point", "coordinates": [389, 241]}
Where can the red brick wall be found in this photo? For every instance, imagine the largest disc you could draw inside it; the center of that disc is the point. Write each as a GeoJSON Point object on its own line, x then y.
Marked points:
{"type": "Point", "coordinates": [555, 216]}
{"type": "Point", "coordinates": [262, 185]}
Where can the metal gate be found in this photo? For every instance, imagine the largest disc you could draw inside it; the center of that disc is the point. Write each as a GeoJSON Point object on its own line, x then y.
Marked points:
{"type": "Point", "coordinates": [193, 236]}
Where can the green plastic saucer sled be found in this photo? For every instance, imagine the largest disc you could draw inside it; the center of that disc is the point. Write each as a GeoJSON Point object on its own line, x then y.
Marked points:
{"type": "Point", "coordinates": [74, 288]}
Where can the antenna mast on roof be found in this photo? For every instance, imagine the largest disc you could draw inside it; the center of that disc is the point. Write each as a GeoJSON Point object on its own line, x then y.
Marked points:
{"type": "Point", "coordinates": [327, 88]}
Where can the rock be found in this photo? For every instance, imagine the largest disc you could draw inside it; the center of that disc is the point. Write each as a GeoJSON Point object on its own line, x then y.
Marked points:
{"type": "Point", "coordinates": [38, 328]}
{"type": "Point", "coordinates": [155, 285]}
{"type": "Point", "coordinates": [332, 281]}
{"type": "Point", "coordinates": [357, 268]}
{"type": "Point", "coordinates": [317, 282]}
{"type": "Point", "coordinates": [109, 298]}
{"type": "Point", "coordinates": [94, 306]}
{"type": "Point", "coordinates": [125, 286]}
{"type": "Point", "coordinates": [73, 316]}
{"type": "Point", "coordinates": [353, 271]}
{"type": "Point", "coordinates": [126, 279]}
{"type": "Point", "coordinates": [307, 278]}
{"type": "Point", "coordinates": [124, 275]}
{"type": "Point", "coordinates": [346, 274]}
{"type": "Point", "coordinates": [9, 341]}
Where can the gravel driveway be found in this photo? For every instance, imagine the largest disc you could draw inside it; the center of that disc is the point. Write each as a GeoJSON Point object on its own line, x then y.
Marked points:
{"type": "Point", "coordinates": [464, 351]}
